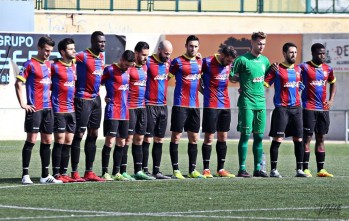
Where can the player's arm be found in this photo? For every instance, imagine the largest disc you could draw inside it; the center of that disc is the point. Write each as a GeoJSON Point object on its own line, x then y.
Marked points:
{"type": "Point", "coordinates": [333, 89]}
{"type": "Point", "coordinates": [269, 78]}
{"type": "Point", "coordinates": [173, 69]}
{"type": "Point", "coordinates": [19, 85]}
{"type": "Point", "coordinates": [235, 71]}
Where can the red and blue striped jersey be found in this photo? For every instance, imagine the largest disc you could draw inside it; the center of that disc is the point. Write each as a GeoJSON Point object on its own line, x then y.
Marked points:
{"type": "Point", "coordinates": [215, 77]}
{"type": "Point", "coordinates": [187, 72]}
{"type": "Point", "coordinates": [138, 81]}
{"type": "Point", "coordinates": [315, 78]}
{"type": "Point", "coordinates": [63, 86]}
{"type": "Point", "coordinates": [116, 83]}
{"type": "Point", "coordinates": [36, 75]}
{"type": "Point", "coordinates": [89, 70]}
{"type": "Point", "coordinates": [157, 81]}
{"type": "Point", "coordinates": [286, 85]}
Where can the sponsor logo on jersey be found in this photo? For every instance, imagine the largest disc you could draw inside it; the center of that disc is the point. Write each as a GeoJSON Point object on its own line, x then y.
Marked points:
{"type": "Point", "coordinates": [222, 77]}
{"type": "Point", "coordinates": [318, 83]}
{"type": "Point", "coordinates": [141, 83]}
{"type": "Point", "coordinates": [292, 84]}
{"type": "Point", "coordinates": [258, 79]}
{"type": "Point", "coordinates": [98, 72]}
{"type": "Point", "coordinates": [45, 81]}
{"type": "Point", "coordinates": [123, 87]}
{"type": "Point", "coordinates": [69, 83]}
{"type": "Point", "coordinates": [160, 77]}
{"type": "Point", "coordinates": [192, 77]}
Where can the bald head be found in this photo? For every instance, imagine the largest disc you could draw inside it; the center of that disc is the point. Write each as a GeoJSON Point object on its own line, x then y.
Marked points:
{"type": "Point", "coordinates": [164, 50]}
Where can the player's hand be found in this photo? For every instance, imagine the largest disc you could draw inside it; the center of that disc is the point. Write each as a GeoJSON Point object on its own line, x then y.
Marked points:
{"type": "Point", "coordinates": [301, 86]}
{"type": "Point", "coordinates": [107, 99]}
{"type": "Point", "coordinates": [29, 108]}
{"type": "Point", "coordinates": [275, 67]}
{"type": "Point", "coordinates": [328, 104]}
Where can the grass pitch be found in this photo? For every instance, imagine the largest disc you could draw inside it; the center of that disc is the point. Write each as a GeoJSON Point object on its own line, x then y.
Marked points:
{"type": "Point", "coordinates": [288, 198]}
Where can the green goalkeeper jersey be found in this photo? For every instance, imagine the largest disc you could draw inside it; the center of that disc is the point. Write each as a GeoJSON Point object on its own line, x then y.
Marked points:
{"type": "Point", "coordinates": [251, 71]}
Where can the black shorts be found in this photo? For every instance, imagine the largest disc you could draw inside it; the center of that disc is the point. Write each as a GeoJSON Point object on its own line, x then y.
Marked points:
{"type": "Point", "coordinates": [138, 121]}
{"type": "Point", "coordinates": [88, 113]}
{"type": "Point", "coordinates": [156, 121]}
{"type": "Point", "coordinates": [286, 122]}
{"type": "Point", "coordinates": [216, 120]}
{"type": "Point", "coordinates": [116, 128]}
{"type": "Point", "coordinates": [318, 121]}
{"type": "Point", "coordinates": [39, 121]}
{"type": "Point", "coordinates": [185, 117]}
{"type": "Point", "coordinates": [64, 122]}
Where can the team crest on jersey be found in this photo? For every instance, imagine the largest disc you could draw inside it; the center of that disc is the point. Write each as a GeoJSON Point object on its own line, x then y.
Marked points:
{"type": "Point", "coordinates": [318, 83]}
{"type": "Point", "coordinates": [222, 77]}
{"type": "Point", "coordinates": [160, 77]}
{"type": "Point", "coordinates": [193, 77]}
{"type": "Point", "coordinates": [258, 79]}
{"type": "Point", "coordinates": [123, 87]}
{"type": "Point", "coordinates": [98, 72]}
{"type": "Point", "coordinates": [45, 81]}
{"type": "Point", "coordinates": [69, 83]}
{"type": "Point", "coordinates": [141, 83]}
{"type": "Point", "coordinates": [292, 84]}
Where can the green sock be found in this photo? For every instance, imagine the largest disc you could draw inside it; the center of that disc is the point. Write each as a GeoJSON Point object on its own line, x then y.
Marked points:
{"type": "Point", "coordinates": [242, 150]}
{"type": "Point", "coordinates": [257, 150]}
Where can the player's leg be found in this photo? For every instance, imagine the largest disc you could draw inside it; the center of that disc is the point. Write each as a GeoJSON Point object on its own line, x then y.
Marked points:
{"type": "Point", "coordinates": [46, 129]}
{"type": "Point", "coordinates": [152, 118]}
{"type": "Point", "coordinates": [131, 131]}
{"type": "Point", "coordinates": [121, 135]}
{"type": "Point", "coordinates": [69, 135]}
{"type": "Point", "coordinates": [32, 124]}
{"type": "Point", "coordinates": [91, 138]}
{"type": "Point", "coordinates": [245, 119]}
{"type": "Point", "coordinates": [59, 137]}
{"type": "Point", "coordinates": [109, 132]}
{"type": "Point", "coordinates": [295, 129]}
{"type": "Point", "coordinates": [309, 121]}
{"type": "Point", "coordinates": [82, 112]}
{"type": "Point", "coordinates": [209, 127]}
{"type": "Point", "coordinates": [192, 127]}
{"type": "Point", "coordinates": [279, 120]}
{"type": "Point", "coordinates": [259, 122]}
{"type": "Point", "coordinates": [223, 126]}
{"type": "Point", "coordinates": [322, 127]}
{"type": "Point", "coordinates": [178, 118]}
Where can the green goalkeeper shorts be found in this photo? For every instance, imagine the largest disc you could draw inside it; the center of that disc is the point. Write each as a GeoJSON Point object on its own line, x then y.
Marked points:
{"type": "Point", "coordinates": [251, 121]}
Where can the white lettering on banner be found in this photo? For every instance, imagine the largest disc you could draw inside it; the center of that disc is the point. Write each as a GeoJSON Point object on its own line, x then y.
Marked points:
{"type": "Point", "coordinates": [337, 53]}
{"type": "Point", "coordinates": [16, 41]}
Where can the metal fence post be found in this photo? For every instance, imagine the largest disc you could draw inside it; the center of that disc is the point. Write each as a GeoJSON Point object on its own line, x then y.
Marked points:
{"type": "Point", "coordinates": [307, 6]}
{"type": "Point", "coordinates": [78, 5]}
{"type": "Point", "coordinates": [260, 6]}
{"type": "Point", "coordinates": [111, 8]}
{"type": "Point", "coordinates": [139, 5]}
{"type": "Point", "coordinates": [199, 5]}
{"type": "Point", "coordinates": [242, 6]}
{"type": "Point", "coordinates": [177, 6]}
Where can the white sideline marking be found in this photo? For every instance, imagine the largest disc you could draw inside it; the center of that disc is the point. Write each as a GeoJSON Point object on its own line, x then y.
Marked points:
{"type": "Point", "coordinates": [163, 214]}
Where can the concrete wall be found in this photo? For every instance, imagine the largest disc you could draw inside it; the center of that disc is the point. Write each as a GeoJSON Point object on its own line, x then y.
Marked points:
{"type": "Point", "coordinates": [188, 23]}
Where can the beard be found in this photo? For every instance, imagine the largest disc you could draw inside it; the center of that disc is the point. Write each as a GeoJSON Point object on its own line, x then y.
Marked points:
{"type": "Point", "coordinates": [162, 58]}
{"type": "Point", "coordinates": [291, 60]}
